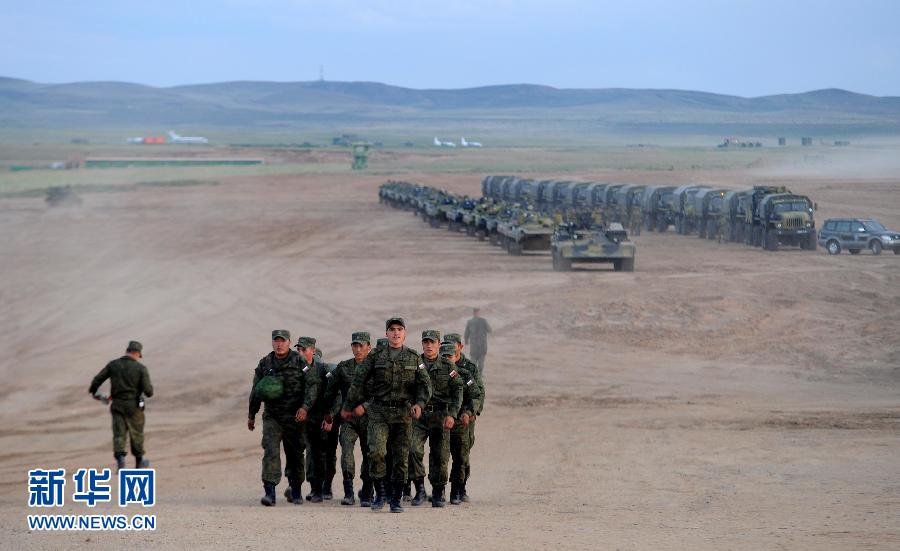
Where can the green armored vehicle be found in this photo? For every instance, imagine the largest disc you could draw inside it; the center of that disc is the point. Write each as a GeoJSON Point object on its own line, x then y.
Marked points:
{"type": "Point", "coordinates": [526, 231]}
{"type": "Point", "coordinates": [570, 244]}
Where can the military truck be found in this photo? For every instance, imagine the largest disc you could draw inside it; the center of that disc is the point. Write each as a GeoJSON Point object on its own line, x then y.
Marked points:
{"type": "Point", "coordinates": [526, 230]}
{"type": "Point", "coordinates": [746, 212]}
{"type": "Point", "coordinates": [721, 211]}
{"type": "Point", "coordinates": [700, 218]}
{"type": "Point", "coordinates": [687, 217]}
{"type": "Point", "coordinates": [785, 219]}
{"type": "Point", "coordinates": [572, 244]}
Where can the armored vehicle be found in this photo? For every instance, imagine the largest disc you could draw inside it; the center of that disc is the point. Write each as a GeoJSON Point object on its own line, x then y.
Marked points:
{"type": "Point", "coordinates": [571, 244]}
{"type": "Point", "coordinates": [526, 230]}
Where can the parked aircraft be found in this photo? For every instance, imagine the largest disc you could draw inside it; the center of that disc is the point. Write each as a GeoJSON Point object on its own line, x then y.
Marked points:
{"type": "Point", "coordinates": [439, 143]}
{"type": "Point", "coordinates": [469, 144]}
{"type": "Point", "coordinates": [175, 138]}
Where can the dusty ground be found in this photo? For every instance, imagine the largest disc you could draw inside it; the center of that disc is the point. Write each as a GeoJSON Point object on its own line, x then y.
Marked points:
{"type": "Point", "coordinates": [720, 397]}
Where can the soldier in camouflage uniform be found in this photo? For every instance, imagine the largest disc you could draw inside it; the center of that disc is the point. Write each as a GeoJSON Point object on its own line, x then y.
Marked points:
{"type": "Point", "coordinates": [477, 331]}
{"type": "Point", "coordinates": [636, 219]}
{"type": "Point", "coordinates": [339, 381]}
{"type": "Point", "coordinates": [284, 417]}
{"type": "Point", "coordinates": [436, 422]}
{"type": "Point", "coordinates": [128, 380]}
{"type": "Point", "coordinates": [321, 455]}
{"type": "Point", "coordinates": [400, 387]}
{"type": "Point", "coordinates": [461, 444]}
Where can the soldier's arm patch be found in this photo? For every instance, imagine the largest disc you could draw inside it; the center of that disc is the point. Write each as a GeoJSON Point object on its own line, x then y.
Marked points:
{"type": "Point", "coordinates": [470, 382]}
{"type": "Point", "coordinates": [453, 374]}
{"type": "Point", "coordinates": [305, 369]}
{"type": "Point", "coordinates": [422, 366]}
{"type": "Point", "coordinates": [329, 375]}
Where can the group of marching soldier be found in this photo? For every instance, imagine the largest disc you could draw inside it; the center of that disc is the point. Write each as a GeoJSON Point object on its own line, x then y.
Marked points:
{"type": "Point", "coordinates": [389, 398]}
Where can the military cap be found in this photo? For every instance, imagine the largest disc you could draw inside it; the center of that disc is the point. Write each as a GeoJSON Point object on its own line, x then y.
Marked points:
{"type": "Point", "coordinates": [360, 337]}
{"type": "Point", "coordinates": [453, 337]}
{"type": "Point", "coordinates": [394, 321]}
{"type": "Point", "coordinates": [135, 346]}
{"type": "Point", "coordinates": [306, 342]}
{"type": "Point", "coordinates": [283, 333]}
{"type": "Point", "coordinates": [431, 335]}
{"type": "Point", "coordinates": [448, 349]}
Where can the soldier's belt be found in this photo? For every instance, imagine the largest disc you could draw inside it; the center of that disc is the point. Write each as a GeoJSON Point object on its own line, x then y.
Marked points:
{"type": "Point", "coordinates": [436, 407]}
{"type": "Point", "coordinates": [391, 403]}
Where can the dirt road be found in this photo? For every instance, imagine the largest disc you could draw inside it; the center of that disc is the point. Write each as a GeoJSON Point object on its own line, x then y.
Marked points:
{"type": "Point", "coordinates": [720, 397]}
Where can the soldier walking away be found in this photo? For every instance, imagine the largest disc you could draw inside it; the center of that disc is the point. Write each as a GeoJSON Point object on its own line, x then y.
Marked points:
{"type": "Point", "coordinates": [321, 454]}
{"type": "Point", "coordinates": [436, 421]}
{"type": "Point", "coordinates": [462, 437]}
{"type": "Point", "coordinates": [395, 387]}
{"type": "Point", "coordinates": [477, 331]}
{"type": "Point", "coordinates": [129, 382]}
{"type": "Point", "coordinates": [287, 386]}
{"type": "Point", "coordinates": [636, 219]}
{"type": "Point", "coordinates": [337, 389]}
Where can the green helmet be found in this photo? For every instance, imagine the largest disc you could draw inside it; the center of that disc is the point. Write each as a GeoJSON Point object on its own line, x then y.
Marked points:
{"type": "Point", "coordinates": [269, 388]}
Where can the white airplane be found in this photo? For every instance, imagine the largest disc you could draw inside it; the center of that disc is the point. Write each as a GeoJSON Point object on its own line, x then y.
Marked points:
{"type": "Point", "coordinates": [439, 143]}
{"type": "Point", "coordinates": [175, 138]}
{"type": "Point", "coordinates": [469, 144]}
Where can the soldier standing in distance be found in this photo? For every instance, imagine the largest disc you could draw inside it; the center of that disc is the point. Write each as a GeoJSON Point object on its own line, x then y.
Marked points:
{"type": "Point", "coordinates": [477, 331]}
{"type": "Point", "coordinates": [436, 421]}
{"type": "Point", "coordinates": [284, 416]}
{"type": "Point", "coordinates": [462, 437]}
{"type": "Point", "coordinates": [636, 219]}
{"type": "Point", "coordinates": [400, 388]}
{"type": "Point", "coordinates": [338, 387]}
{"type": "Point", "coordinates": [128, 380]}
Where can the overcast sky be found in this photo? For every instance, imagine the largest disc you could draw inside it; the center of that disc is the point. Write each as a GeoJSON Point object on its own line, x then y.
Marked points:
{"type": "Point", "coordinates": [740, 47]}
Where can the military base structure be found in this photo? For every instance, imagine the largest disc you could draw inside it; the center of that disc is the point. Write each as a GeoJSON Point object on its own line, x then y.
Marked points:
{"type": "Point", "coordinates": [591, 221]}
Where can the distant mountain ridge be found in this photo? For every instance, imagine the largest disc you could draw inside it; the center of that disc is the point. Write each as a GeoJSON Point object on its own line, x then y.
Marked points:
{"type": "Point", "coordinates": [249, 103]}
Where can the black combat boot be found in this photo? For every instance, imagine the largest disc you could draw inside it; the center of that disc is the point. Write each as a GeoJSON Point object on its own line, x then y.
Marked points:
{"type": "Point", "coordinates": [326, 489]}
{"type": "Point", "coordinates": [463, 496]}
{"type": "Point", "coordinates": [141, 463]}
{"type": "Point", "coordinates": [293, 493]}
{"type": "Point", "coordinates": [396, 495]}
{"type": "Point", "coordinates": [378, 504]}
{"type": "Point", "coordinates": [455, 496]}
{"type": "Point", "coordinates": [407, 490]}
{"type": "Point", "coordinates": [420, 492]}
{"type": "Point", "coordinates": [348, 493]}
{"type": "Point", "coordinates": [315, 493]}
{"type": "Point", "coordinates": [269, 499]}
{"type": "Point", "coordinates": [120, 462]}
{"type": "Point", "coordinates": [365, 494]}
{"type": "Point", "coordinates": [437, 496]}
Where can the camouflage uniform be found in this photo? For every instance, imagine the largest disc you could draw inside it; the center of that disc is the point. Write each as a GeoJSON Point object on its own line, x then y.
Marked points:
{"type": "Point", "coordinates": [478, 403]}
{"type": "Point", "coordinates": [128, 379]}
{"type": "Point", "coordinates": [445, 401]}
{"type": "Point", "coordinates": [636, 220]}
{"type": "Point", "coordinates": [279, 427]}
{"type": "Point", "coordinates": [462, 436]}
{"type": "Point", "coordinates": [721, 227]}
{"type": "Point", "coordinates": [339, 381]}
{"type": "Point", "coordinates": [321, 458]}
{"type": "Point", "coordinates": [390, 380]}
{"type": "Point", "coordinates": [477, 330]}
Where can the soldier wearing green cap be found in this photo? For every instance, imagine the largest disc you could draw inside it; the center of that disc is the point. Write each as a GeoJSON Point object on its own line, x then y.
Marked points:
{"type": "Point", "coordinates": [395, 387]}
{"type": "Point", "coordinates": [476, 335]}
{"type": "Point", "coordinates": [462, 436]}
{"type": "Point", "coordinates": [288, 388]}
{"type": "Point", "coordinates": [128, 381]}
{"type": "Point", "coordinates": [321, 456]}
{"type": "Point", "coordinates": [436, 421]}
{"type": "Point", "coordinates": [356, 428]}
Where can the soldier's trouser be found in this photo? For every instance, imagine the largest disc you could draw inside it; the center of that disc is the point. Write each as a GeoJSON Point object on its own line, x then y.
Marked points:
{"type": "Point", "coordinates": [389, 427]}
{"type": "Point", "coordinates": [356, 428]}
{"type": "Point", "coordinates": [317, 459]}
{"type": "Point", "coordinates": [128, 424]}
{"type": "Point", "coordinates": [331, 445]}
{"type": "Point", "coordinates": [430, 427]}
{"type": "Point", "coordinates": [460, 444]}
{"type": "Point", "coordinates": [471, 428]}
{"type": "Point", "coordinates": [275, 434]}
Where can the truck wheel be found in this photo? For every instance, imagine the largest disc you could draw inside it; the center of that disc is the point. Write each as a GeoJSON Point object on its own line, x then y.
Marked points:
{"type": "Point", "coordinates": [661, 225]}
{"type": "Point", "coordinates": [470, 230]}
{"type": "Point", "coordinates": [702, 229]}
{"type": "Point", "coordinates": [875, 246]}
{"type": "Point", "coordinates": [813, 243]}
{"type": "Point", "coordinates": [480, 235]}
{"type": "Point", "coordinates": [833, 247]}
{"type": "Point", "coordinates": [628, 264]}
